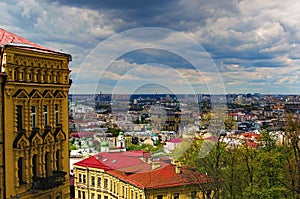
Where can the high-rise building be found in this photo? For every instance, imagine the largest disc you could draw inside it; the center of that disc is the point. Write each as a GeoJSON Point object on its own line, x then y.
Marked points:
{"type": "Point", "coordinates": [34, 84]}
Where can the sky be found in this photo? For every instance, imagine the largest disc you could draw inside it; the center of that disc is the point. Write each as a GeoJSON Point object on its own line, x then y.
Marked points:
{"type": "Point", "coordinates": [179, 46]}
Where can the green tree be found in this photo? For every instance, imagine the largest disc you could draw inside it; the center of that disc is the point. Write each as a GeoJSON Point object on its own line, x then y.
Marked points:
{"type": "Point", "coordinates": [292, 158]}
{"type": "Point", "coordinates": [229, 123]}
{"type": "Point", "coordinates": [72, 146]}
{"type": "Point", "coordinates": [114, 131]}
{"type": "Point", "coordinates": [204, 156]}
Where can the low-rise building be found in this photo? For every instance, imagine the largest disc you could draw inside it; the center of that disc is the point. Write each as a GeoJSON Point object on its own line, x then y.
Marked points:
{"type": "Point", "coordinates": [170, 145]}
{"type": "Point", "coordinates": [134, 174]}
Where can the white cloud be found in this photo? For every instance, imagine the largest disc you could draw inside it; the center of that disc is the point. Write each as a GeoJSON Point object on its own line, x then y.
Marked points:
{"type": "Point", "coordinates": [254, 42]}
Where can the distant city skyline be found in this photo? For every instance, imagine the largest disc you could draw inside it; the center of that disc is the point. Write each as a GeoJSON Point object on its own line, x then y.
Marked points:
{"type": "Point", "coordinates": [254, 45]}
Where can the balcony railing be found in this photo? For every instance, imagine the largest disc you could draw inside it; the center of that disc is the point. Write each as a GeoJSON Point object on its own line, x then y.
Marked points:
{"type": "Point", "coordinates": [44, 183]}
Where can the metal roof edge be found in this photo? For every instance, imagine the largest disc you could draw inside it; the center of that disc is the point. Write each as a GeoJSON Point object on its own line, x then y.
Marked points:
{"type": "Point", "coordinates": [36, 48]}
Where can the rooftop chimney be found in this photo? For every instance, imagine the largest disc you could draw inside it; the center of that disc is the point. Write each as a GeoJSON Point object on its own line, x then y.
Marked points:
{"type": "Point", "coordinates": [177, 165]}
{"type": "Point", "coordinates": [155, 165]}
{"type": "Point", "coordinates": [177, 169]}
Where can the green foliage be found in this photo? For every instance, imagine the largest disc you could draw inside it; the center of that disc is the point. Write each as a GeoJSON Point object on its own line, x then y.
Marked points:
{"type": "Point", "coordinates": [271, 172]}
{"type": "Point", "coordinates": [144, 147]}
{"type": "Point", "coordinates": [114, 131]}
{"type": "Point", "coordinates": [188, 151]}
{"type": "Point", "coordinates": [229, 123]}
{"type": "Point", "coordinates": [72, 146]}
{"type": "Point", "coordinates": [205, 120]}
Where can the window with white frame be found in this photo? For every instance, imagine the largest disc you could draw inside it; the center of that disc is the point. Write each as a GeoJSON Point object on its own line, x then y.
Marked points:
{"type": "Point", "coordinates": [99, 182]}
{"type": "Point", "coordinates": [45, 115]}
{"type": "Point", "coordinates": [56, 114]}
{"type": "Point", "coordinates": [93, 181]}
{"type": "Point", "coordinates": [33, 116]}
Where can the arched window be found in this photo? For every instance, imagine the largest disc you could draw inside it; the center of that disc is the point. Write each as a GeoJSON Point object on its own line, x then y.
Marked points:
{"type": "Point", "coordinates": [30, 76]}
{"type": "Point", "coordinates": [58, 160]}
{"type": "Point", "coordinates": [21, 170]}
{"type": "Point", "coordinates": [45, 115]}
{"type": "Point", "coordinates": [15, 75]}
{"type": "Point", "coordinates": [34, 165]}
{"type": "Point", "coordinates": [33, 116]}
{"type": "Point", "coordinates": [19, 117]}
{"type": "Point", "coordinates": [47, 164]}
{"type": "Point", "coordinates": [56, 114]}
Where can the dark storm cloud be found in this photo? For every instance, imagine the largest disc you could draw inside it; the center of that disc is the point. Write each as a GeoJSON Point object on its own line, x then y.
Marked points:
{"type": "Point", "coordinates": [163, 57]}
{"type": "Point", "coordinates": [134, 12]}
{"type": "Point", "coordinates": [248, 39]}
{"type": "Point", "coordinates": [115, 4]}
{"type": "Point", "coordinates": [174, 14]}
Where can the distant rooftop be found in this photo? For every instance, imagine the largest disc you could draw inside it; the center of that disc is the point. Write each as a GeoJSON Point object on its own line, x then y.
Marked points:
{"type": "Point", "coordinates": [175, 140]}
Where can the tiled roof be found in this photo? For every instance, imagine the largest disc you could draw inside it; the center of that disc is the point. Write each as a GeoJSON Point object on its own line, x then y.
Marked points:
{"type": "Point", "coordinates": [164, 176]}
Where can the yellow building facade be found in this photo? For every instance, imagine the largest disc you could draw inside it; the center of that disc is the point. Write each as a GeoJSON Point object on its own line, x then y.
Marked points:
{"type": "Point", "coordinates": [95, 178]}
{"type": "Point", "coordinates": [34, 120]}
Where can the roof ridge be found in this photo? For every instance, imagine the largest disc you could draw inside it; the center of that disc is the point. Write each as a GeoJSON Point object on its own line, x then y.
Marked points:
{"type": "Point", "coordinates": [16, 41]}
{"type": "Point", "coordinates": [2, 36]}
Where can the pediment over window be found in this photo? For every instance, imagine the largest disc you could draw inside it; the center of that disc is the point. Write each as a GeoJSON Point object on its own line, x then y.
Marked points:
{"type": "Point", "coordinates": [48, 136]}
{"type": "Point", "coordinates": [21, 94]}
{"type": "Point", "coordinates": [59, 94]}
{"type": "Point", "coordinates": [35, 94]}
{"type": "Point", "coordinates": [47, 94]}
{"type": "Point", "coordinates": [59, 135]}
{"type": "Point", "coordinates": [21, 141]}
{"type": "Point", "coordinates": [35, 138]}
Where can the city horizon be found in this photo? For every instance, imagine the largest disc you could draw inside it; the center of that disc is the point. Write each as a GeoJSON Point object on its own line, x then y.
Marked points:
{"type": "Point", "coordinates": [225, 47]}
{"type": "Point", "coordinates": [184, 93]}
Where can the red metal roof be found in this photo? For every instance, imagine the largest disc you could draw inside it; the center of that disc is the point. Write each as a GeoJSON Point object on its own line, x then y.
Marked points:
{"type": "Point", "coordinates": [129, 166]}
{"type": "Point", "coordinates": [82, 134]}
{"type": "Point", "coordinates": [114, 160]}
{"type": "Point", "coordinates": [164, 176]}
{"type": "Point", "coordinates": [7, 37]}
{"type": "Point", "coordinates": [93, 162]}
{"type": "Point", "coordinates": [175, 140]}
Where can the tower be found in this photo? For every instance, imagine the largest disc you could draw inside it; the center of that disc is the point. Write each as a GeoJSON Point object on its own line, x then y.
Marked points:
{"type": "Point", "coordinates": [121, 140]}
